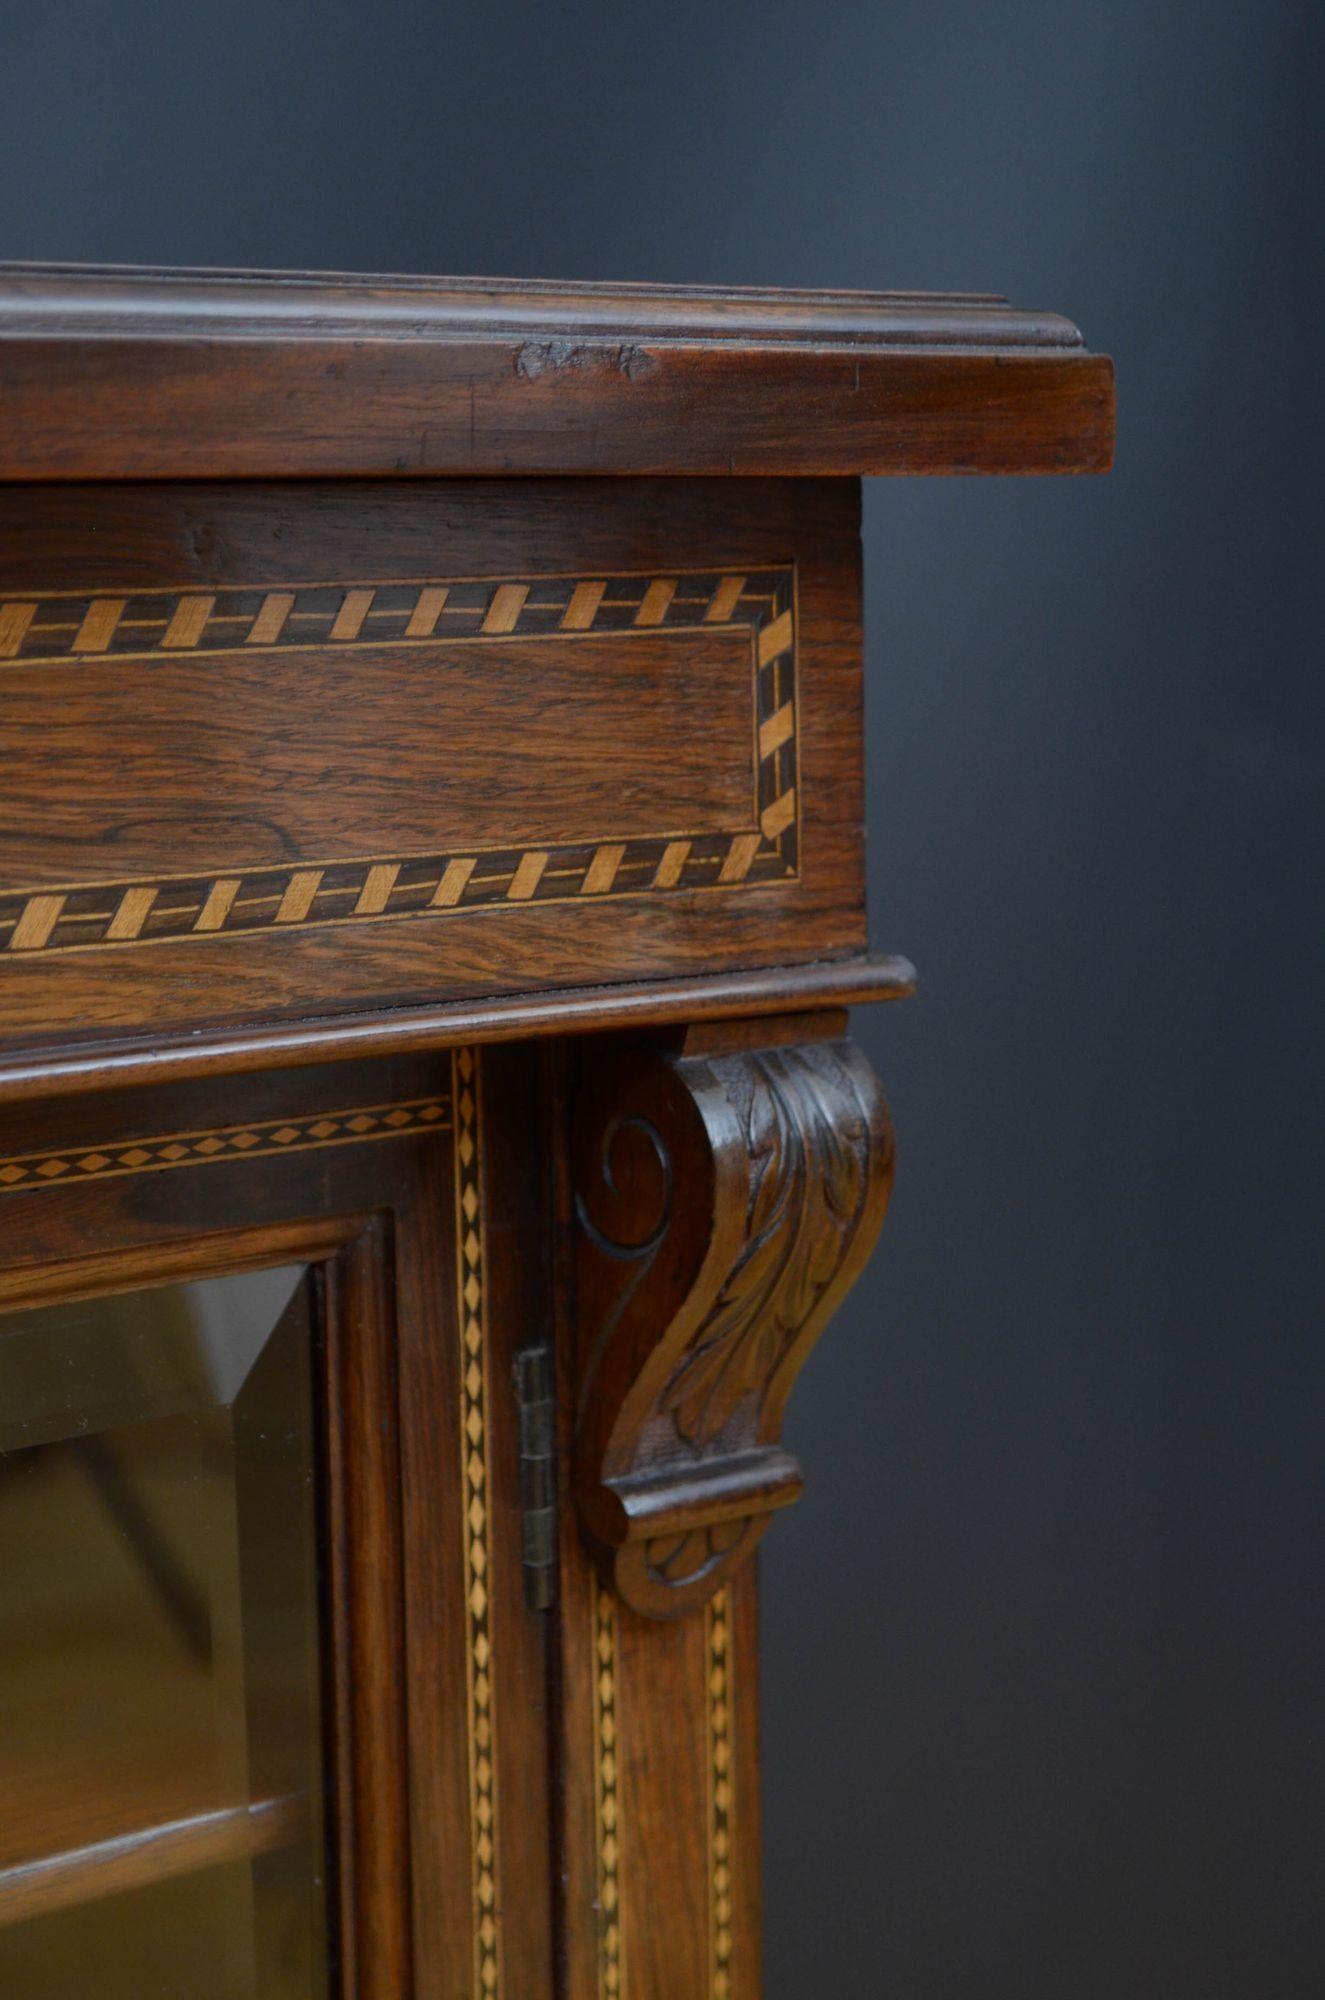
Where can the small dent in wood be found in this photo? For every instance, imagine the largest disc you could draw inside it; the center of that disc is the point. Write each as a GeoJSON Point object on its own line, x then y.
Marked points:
{"type": "Point", "coordinates": [551, 357]}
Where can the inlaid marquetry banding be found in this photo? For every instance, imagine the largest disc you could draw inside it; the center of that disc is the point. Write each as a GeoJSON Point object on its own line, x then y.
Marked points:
{"type": "Point", "coordinates": [720, 1784]}
{"type": "Point", "coordinates": [161, 1151]}
{"type": "Point", "coordinates": [607, 1815]}
{"type": "Point", "coordinates": [471, 1302]}
{"type": "Point", "coordinates": [319, 890]}
{"type": "Point", "coordinates": [721, 1793]}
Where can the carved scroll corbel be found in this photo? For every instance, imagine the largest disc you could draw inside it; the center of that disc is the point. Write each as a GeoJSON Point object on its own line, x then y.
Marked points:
{"type": "Point", "coordinates": [728, 1191]}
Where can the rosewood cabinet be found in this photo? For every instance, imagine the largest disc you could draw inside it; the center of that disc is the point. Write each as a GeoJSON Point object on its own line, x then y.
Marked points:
{"type": "Point", "coordinates": [431, 891]}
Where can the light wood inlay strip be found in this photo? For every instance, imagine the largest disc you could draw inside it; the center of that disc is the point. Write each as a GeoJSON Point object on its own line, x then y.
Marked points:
{"type": "Point", "coordinates": [527, 877]}
{"type": "Point", "coordinates": [722, 1801]}
{"type": "Point", "coordinates": [675, 855]}
{"type": "Point", "coordinates": [779, 729]}
{"type": "Point", "coordinates": [132, 913]}
{"type": "Point", "coordinates": [355, 607]}
{"type": "Point", "coordinates": [505, 608]}
{"type": "Point", "coordinates": [376, 891]}
{"type": "Point", "coordinates": [725, 600]}
{"type": "Point", "coordinates": [97, 630]}
{"type": "Point", "coordinates": [657, 598]}
{"type": "Point", "coordinates": [188, 621]}
{"type": "Point", "coordinates": [164, 1150]}
{"type": "Point", "coordinates": [775, 639]}
{"type": "Point", "coordinates": [455, 875]}
{"type": "Point", "coordinates": [267, 627]}
{"type": "Point", "coordinates": [583, 607]}
{"type": "Point", "coordinates": [38, 919]}
{"type": "Point", "coordinates": [474, 1402]}
{"type": "Point", "coordinates": [14, 622]}
{"type": "Point", "coordinates": [740, 856]}
{"type": "Point", "coordinates": [607, 1815]}
{"type": "Point", "coordinates": [601, 872]}
{"type": "Point", "coordinates": [423, 618]}
{"type": "Point", "coordinates": [776, 818]}
{"type": "Point", "coordinates": [216, 909]}
{"type": "Point", "coordinates": [299, 894]}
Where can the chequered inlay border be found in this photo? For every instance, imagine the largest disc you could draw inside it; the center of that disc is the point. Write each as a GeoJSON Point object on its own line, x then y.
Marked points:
{"type": "Point", "coordinates": [717, 1617]}
{"type": "Point", "coordinates": [227, 1142]}
{"type": "Point", "coordinates": [607, 1832]}
{"type": "Point", "coordinates": [236, 901]}
{"type": "Point", "coordinates": [471, 1288]}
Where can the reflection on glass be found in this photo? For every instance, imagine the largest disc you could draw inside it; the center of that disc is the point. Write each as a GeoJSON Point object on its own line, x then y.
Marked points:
{"type": "Point", "coordinates": [160, 1734]}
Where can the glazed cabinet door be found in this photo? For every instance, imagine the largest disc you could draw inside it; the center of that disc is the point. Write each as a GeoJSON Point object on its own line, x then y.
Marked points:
{"type": "Point", "coordinates": [271, 1702]}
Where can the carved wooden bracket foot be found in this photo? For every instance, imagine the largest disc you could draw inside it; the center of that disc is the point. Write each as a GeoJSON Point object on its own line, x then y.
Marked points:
{"type": "Point", "coordinates": [729, 1187]}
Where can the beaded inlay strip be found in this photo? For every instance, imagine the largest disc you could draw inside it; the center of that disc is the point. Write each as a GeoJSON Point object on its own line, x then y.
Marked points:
{"type": "Point", "coordinates": [721, 1797]}
{"type": "Point", "coordinates": [236, 900]}
{"type": "Point", "coordinates": [607, 1829]}
{"type": "Point", "coordinates": [225, 1142]}
{"type": "Point", "coordinates": [471, 1285]}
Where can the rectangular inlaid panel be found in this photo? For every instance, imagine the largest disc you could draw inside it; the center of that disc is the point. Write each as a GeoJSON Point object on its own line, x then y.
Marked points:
{"type": "Point", "coordinates": [306, 749]}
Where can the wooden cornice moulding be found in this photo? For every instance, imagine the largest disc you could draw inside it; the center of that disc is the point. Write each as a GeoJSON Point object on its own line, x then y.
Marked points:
{"type": "Point", "coordinates": [60, 1070]}
{"type": "Point", "coordinates": [125, 374]}
{"type": "Point", "coordinates": [728, 1191]}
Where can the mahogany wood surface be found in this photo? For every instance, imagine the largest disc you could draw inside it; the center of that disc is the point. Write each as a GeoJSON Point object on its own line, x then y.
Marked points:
{"type": "Point", "coordinates": [127, 374]}
{"type": "Point", "coordinates": [391, 668]}
{"type": "Point", "coordinates": [280, 751]}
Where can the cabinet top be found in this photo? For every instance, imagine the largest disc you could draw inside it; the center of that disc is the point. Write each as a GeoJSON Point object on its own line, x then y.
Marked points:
{"type": "Point", "coordinates": [117, 372]}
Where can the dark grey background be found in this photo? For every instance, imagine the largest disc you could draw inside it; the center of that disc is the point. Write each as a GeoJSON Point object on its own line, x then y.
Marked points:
{"type": "Point", "coordinates": [1043, 1649]}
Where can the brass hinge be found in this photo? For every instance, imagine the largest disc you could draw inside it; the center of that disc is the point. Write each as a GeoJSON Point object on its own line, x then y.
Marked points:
{"type": "Point", "coordinates": [538, 1490]}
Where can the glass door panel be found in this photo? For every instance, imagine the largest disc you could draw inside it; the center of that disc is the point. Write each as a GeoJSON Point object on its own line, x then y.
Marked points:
{"type": "Point", "coordinates": [161, 1759]}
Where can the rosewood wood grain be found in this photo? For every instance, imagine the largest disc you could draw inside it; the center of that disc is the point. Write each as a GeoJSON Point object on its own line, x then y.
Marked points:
{"type": "Point", "coordinates": [626, 748]}
{"type": "Point", "coordinates": [727, 1193]}
{"type": "Point", "coordinates": [394, 666]}
{"type": "Point", "coordinates": [129, 374]}
{"type": "Point", "coordinates": [389, 1212]}
{"type": "Point", "coordinates": [508, 1018]}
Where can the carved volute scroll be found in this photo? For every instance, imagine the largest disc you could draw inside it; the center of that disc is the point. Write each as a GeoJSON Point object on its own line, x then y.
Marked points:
{"type": "Point", "coordinates": [728, 1190]}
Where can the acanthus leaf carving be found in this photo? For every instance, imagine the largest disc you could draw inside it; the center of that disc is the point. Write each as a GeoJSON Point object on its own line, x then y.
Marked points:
{"type": "Point", "coordinates": [726, 1200]}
